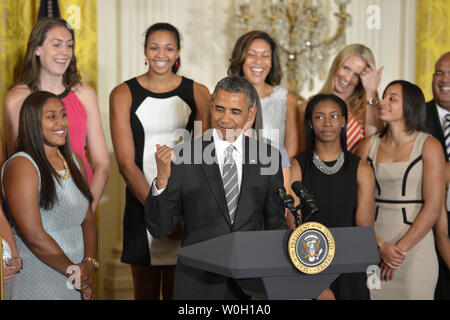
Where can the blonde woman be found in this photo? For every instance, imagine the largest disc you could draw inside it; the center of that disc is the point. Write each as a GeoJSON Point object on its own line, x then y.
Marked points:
{"type": "Point", "coordinates": [354, 78]}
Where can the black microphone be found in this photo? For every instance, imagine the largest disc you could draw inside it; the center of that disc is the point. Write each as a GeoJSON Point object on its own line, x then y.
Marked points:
{"type": "Point", "coordinates": [308, 200]}
{"type": "Point", "coordinates": [288, 202]}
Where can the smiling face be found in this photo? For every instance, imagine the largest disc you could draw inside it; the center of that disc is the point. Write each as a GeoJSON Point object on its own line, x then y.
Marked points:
{"type": "Point", "coordinates": [258, 61]}
{"type": "Point", "coordinates": [56, 51]}
{"type": "Point", "coordinates": [441, 82]}
{"type": "Point", "coordinates": [162, 51]}
{"type": "Point", "coordinates": [347, 76]}
{"type": "Point", "coordinates": [327, 121]}
{"type": "Point", "coordinates": [54, 123]}
{"type": "Point", "coordinates": [230, 113]}
{"type": "Point", "coordinates": [391, 107]}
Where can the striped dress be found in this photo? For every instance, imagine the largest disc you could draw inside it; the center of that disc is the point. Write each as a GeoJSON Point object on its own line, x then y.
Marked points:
{"type": "Point", "coordinates": [355, 134]}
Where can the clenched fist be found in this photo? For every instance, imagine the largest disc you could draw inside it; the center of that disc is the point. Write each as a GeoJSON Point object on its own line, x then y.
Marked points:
{"type": "Point", "coordinates": [163, 156]}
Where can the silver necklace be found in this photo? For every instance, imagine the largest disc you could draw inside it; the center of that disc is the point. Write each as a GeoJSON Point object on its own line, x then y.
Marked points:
{"type": "Point", "coordinates": [326, 169]}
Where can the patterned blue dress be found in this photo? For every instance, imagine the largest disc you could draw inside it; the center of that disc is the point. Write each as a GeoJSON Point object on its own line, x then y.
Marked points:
{"type": "Point", "coordinates": [38, 281]}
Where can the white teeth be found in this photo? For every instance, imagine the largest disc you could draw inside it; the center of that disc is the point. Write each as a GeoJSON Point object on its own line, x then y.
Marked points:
{"type": "Point", "coordinates": [445, 88]}
{"type": "Point", "coordinates": [257, 71]}
{"type": "Point", "coordinates": [161, 63]}
{"type": "Point", "coordinates": [345, 83]}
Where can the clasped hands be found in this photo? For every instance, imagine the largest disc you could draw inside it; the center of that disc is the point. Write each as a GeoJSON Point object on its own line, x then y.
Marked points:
{"type": "Point", "coordinates": [83, 278]}
{"type": "Point", "coordinates": [392, 258]}
{"type": "Point", "coordinates": [11, 268]}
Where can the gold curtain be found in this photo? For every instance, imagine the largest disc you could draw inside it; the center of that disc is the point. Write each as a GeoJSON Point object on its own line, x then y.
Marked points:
{"type": "Point", "coordinates": [16, 21]}
{"type": "Point", "coordinates": [433, 25]}
{"type": "Point", "coordinates": [82, 15]}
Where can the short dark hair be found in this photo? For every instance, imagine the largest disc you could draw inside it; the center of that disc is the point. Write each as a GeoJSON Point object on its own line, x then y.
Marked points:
{"type": "Point", "coordinates": [163, 26]}
{"type": "Point", "coordinates": [310, 136]}
{"type": "Point", "coordinates": [30, 140]}
{"type": "Point", "coordinates": [239, 55]}
{"type": "Point", "coordinates": [414, 107]}
{"type": "Point", "coordinates": [238, 84]}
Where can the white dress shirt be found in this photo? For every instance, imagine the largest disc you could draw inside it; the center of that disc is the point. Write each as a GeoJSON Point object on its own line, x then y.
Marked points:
{"type": "Point", "coordinates": [220, 146]}
{"type": "Point", "coordinates": [441, 114]}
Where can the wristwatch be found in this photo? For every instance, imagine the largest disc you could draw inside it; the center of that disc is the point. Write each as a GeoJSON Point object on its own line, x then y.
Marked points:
{"type": "Point", "coordinates": [373, 101]}
{"type": "Point", "coordinates": [93, 261]}
{"type": "Point", "coordinates": [380, 243]}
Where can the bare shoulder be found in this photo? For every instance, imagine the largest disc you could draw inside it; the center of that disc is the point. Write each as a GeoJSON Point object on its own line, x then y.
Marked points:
{"type": "Point", "coordinates": [17, 95]}
{"type": "Point", "coordinates": [19, 168]}
{"type": "Point", "coordinates": [200, 87]}
{"type": "Point", "coordinates": [365, 171]}
{"type": "Point", "coordinates": [432, 148]}
{"type": "Point", "coordinates": [292, 100]}
{"type": "Point", "coordinates": [120, 93]}
{"type": "Point", "coordinates": [84, 90]}
{"type": "Point", "coordinates": [363, 149]}
{"type": "Point", "coordinates": [202, 95]}
{"type": "Point", "coordinates": [201, 90]}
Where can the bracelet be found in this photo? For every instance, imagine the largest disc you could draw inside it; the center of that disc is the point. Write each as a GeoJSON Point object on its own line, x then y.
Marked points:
{"type": "Point", "coordinates": [380, 243]}
{"type": "Point", "coordinates": [93, 261]}
{"type": "Point", "coordinates": [21, 263]}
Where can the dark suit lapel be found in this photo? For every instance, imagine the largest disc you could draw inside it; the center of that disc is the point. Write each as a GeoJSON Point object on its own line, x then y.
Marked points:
{"type": "Point", "coordinates": [214, 179]}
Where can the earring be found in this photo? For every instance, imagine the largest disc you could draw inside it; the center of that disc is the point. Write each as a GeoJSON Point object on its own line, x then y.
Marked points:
{"type": "Point", "coordinates": [146, 61]}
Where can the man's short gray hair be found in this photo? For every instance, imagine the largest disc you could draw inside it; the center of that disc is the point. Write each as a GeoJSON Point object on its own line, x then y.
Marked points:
{"type": "Point", "coordinates": [238, 84]}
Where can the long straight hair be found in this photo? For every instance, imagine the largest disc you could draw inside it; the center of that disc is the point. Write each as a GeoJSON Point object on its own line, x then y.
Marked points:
{"type": "Point", "coordinates": [31, 66]}
{"type": "Point", "coordinates": [31, 141]}
{"type": "Point", "coordinates": [310, 134]}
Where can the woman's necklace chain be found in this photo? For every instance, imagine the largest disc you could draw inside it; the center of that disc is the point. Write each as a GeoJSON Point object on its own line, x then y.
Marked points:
{"type": "Point", "coordinates": [326, 169]}
{"type": "Point", "coordinates": [66, 167]}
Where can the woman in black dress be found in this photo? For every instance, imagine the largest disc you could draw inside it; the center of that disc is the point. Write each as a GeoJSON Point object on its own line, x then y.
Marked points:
{"type": "Point", "coordinates": [342, 184]}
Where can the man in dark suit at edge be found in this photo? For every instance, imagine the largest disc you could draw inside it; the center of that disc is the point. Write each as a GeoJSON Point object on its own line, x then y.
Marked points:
{"type": "Point", "coordinates": [237, 191]}
{"type": "Point", "coordinates": [438, 110]}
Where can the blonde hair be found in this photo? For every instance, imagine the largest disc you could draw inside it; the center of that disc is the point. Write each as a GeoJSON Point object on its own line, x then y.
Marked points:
{"type": "Point", "coordinates": [357, 101]}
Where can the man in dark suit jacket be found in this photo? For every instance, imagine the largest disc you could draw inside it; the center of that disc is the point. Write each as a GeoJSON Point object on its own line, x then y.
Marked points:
{"type": "Point", "coordinates": [194, 191]}
{"type": "Point", "coordinates": [437, 109]}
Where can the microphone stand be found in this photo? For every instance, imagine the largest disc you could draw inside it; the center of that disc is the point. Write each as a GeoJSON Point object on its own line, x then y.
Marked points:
{"type": "Point", "coordinates": [288, 202]}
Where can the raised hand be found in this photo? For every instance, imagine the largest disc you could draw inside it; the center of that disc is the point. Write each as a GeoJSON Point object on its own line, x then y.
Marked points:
{"type": "Point", "coordinates": [370, 79]}
{"type": "Point", "coordinates": [163, 156]}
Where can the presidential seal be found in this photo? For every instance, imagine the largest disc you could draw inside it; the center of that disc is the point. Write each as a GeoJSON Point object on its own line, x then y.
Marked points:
{"type": "Point", "coordinates": [311, 247]}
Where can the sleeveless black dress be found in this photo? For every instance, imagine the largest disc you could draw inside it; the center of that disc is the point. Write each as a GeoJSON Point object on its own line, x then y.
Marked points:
{"type": "Point", "coordinates": [336, 196]}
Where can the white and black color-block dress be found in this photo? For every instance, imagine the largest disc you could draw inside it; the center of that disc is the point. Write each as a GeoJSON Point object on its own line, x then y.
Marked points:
{"type": "Point", "coordinates": [156, 118]}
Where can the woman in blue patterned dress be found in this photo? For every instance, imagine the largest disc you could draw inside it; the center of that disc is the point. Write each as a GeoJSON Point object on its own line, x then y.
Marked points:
{"type": "Point", "coordinates": [49, 203]}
